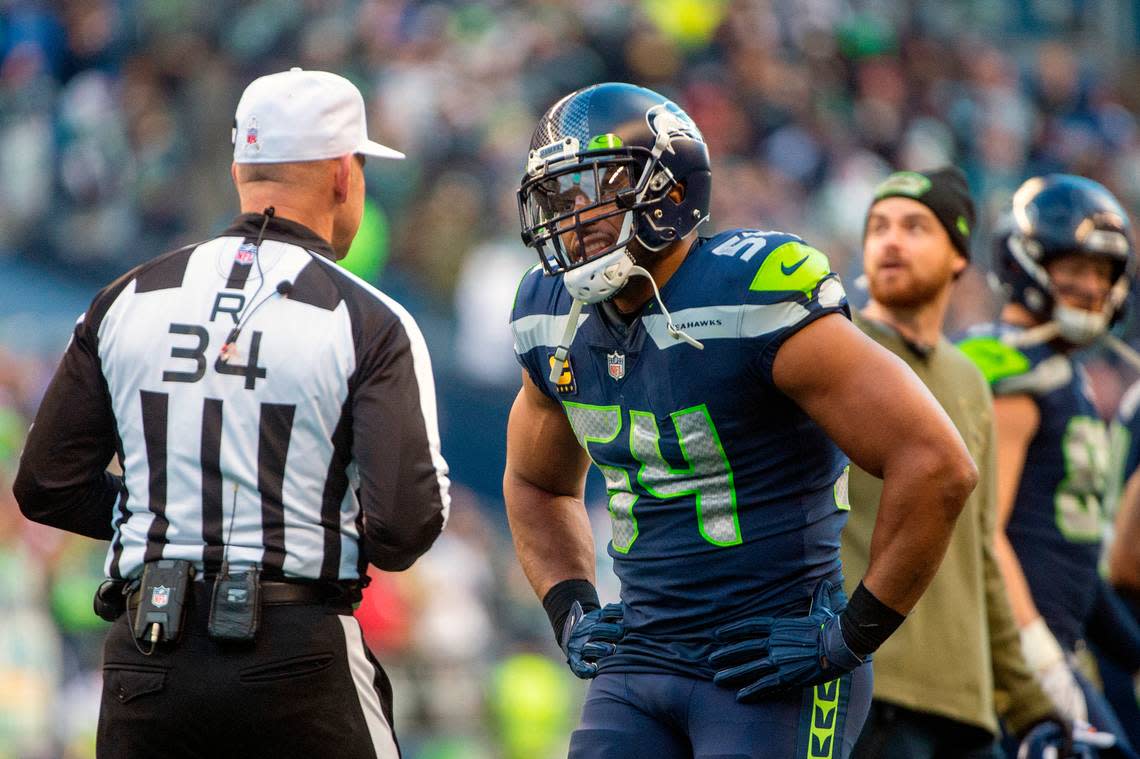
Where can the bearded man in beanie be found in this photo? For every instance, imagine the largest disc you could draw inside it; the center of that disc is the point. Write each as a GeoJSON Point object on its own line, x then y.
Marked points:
{"type": "Point", "coordinates": [935, 679]}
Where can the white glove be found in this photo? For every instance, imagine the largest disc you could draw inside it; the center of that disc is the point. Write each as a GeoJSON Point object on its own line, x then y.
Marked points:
{"type": "Point", "coordinates": [1047, 660]}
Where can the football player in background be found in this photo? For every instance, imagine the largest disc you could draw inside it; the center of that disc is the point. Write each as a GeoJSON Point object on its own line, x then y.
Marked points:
{"type": "Point", "coordinates": [1064, 259]}
{"type": "Point", "coordinates": [717, 384]}
{"type": "Point", "coordinates": [1119, 672]}
{"type": "Point", "coordinates": [916, 243]}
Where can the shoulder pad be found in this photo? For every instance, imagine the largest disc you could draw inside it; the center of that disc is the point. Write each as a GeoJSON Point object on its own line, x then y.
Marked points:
{"type": "Point", "coordinates": [777, 262]}
{"type": "Point", "coordinates": [528, 292]}
{"type": "Point", "coordinates": [1128, 404]}
{"type": "Point", "coordinates": [791, 267]}
{"type": "Point", "coordinates": [996, 360]}
{"type": "Point", "coordinates": [1052, 373]}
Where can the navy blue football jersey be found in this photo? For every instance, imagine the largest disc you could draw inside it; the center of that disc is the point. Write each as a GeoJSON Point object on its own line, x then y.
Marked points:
{"type": "Point", "coordinates": [1124, 441]}
{"type": "Point", "coordinates": [725, 499]}
{"type": "Point", "coordinates": [1056, 523]}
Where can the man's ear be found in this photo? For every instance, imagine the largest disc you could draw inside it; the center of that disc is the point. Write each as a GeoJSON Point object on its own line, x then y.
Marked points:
{"type": "Point", "coordinates": [343, 177]}
{"type": "Point", "coordinates": [677, 192]}
{"type": "Point", "coordinates": [960, 264]}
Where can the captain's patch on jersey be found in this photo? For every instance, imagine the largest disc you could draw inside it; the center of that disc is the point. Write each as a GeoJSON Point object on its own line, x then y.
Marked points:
{"type": "Point", "coordinates": [565, 384]}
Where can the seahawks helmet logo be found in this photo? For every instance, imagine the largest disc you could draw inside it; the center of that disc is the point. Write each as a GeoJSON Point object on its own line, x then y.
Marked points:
{"type": "Point", "coordinates": [670, 123]}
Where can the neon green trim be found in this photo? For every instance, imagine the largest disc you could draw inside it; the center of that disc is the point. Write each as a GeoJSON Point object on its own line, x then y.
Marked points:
{"type": "Point", "coordinates": [518, 287]}
{"type": "Point", "coordinates": [1119, 443]}
{"type": "Point", "coordinates": [612, 474]}
{"type": "Point", "coordinates": [841, 490]}
{"type": "Point", "coordinates": [963, 226]}
{"type": "Point", "coordinates": [824, 718]}
{"type": "Point", "coordinates": [728, 471]}
{"type": "Point", "coordinates": [1076, 502]}
{"type": "Point", "coordinates": [995, 359]}
{"type": "Point", "coordinates": [621, 476]}
{"type": "Point", "coordinates": [604, 142]}
{"type": "Point", "coordinates": [792, 267]}
{"type": "Point", "coordinates": [688, 471]}
{"type": "Point", "coordinates": [592, 407]}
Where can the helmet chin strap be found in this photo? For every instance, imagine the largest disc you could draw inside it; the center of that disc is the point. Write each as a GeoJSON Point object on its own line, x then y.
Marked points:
{"type": "Point", "coordinates": [1053, 329]}
{"type": "Point", "coordinates": [573, 318]}
{"type": "Point", "coordinates": [1126, 352]}
{"type": "Point", "coordinates": [1042, 333]}
{"type": "Point", "coordinates": [567, 338]}
{"type": "Point", "coordinates": [1073, 325]}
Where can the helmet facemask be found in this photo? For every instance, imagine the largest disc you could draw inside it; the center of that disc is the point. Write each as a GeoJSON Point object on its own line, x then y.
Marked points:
{"type": "Point", "coordinates": [599, 177]}
{"type": "Point", "coordinates": [580, 211]}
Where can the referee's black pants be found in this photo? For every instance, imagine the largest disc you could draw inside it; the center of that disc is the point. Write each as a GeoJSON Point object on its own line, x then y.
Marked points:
{"type": "Point", "coordinates": [307, 687]}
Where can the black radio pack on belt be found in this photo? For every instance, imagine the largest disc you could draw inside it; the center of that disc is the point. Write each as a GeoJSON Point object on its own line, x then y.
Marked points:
{"type": "Point", "coordinates": [162, 600]}
{"type": "Point", "coordinates": [235, 606]}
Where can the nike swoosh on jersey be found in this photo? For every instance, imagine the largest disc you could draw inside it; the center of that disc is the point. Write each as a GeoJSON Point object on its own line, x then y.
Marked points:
{"type": "Point", "coordinates": [790, 270]}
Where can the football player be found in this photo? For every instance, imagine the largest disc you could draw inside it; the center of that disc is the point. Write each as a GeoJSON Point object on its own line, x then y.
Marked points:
{"type": "Point", "coordinates": [1064, 259]}
{"type": "Point", "coordinates": [716, 383]}
{"type": "Point", "coordinates": [1119, 673]}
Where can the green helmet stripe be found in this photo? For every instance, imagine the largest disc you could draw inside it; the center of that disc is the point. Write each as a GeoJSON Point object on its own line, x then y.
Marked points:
{"type": "Point", "coordinates": [604, 142]}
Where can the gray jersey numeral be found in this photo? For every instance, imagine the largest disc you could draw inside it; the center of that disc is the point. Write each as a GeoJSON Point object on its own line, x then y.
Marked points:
{"type": "Point", "coordinates": [1078, 496]}
{"type": "Point", "coordinates": [707, 476]}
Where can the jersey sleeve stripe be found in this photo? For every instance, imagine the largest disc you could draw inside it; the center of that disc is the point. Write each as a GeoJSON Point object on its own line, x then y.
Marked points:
{"type": "Point", "coordinates": [540, 330]}
{"type": "Point", "coordinates": [718, 322]}
{"type": "Point", "coordinates": [1052, 373]}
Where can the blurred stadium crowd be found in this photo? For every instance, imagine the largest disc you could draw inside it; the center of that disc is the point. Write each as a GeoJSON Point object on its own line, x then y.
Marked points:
{"type": "Point", "coordinates": [114, 124]}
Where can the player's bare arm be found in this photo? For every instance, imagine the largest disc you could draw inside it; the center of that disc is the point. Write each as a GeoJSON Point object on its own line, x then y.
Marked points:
{"type": "Point", "coordinates": [1124, 556]}
{"type": "Point", "coordinates": [1017, 419]}
{"type": "Point", "coordinates": [543, 487]}
{"type": "Point", "coordinates": [888, 423]}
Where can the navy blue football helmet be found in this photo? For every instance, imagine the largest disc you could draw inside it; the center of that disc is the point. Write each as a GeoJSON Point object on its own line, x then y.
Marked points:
{"type": "Point", "coordinates": [1054, 216]}
{"type": "Point", "coordinates": [606, 151]}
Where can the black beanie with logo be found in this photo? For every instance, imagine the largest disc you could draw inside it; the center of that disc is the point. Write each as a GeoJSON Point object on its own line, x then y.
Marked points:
{"type": "Point", "coordinates": [944, 192]}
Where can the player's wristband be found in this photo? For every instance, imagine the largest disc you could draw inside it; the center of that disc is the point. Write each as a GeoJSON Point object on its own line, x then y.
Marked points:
{"type": "Point", "coordinates": [562, 596]}
{"type": "Point", "coordinates": [867, 622]}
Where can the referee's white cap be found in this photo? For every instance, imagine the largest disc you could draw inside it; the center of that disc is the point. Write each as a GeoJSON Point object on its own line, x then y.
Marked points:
{"type": "Point", "coordinates": [299, 115]}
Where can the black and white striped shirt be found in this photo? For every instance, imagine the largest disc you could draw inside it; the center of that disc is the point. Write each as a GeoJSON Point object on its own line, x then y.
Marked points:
{"type": "Point", "coordinates": [312, 449]}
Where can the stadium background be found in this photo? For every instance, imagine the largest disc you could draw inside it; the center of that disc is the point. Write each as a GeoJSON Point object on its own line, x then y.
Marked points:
{"type": "Point", "coordinates": [115, 118]}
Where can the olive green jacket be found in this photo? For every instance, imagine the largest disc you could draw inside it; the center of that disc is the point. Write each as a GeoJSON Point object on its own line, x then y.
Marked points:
{"type": "Point", "coordinates": [960, 642]}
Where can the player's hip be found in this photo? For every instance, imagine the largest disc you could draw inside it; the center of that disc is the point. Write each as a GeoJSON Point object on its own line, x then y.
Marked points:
{"type": "Point", "coordinates": [672, 716]}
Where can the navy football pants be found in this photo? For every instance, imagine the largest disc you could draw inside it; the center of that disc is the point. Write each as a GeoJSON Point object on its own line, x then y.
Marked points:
{"type": "Point", "coordinates": [662, 716]}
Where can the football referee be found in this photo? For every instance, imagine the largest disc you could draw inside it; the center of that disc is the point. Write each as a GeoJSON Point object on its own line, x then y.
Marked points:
{"type": "Point", "coordinates": [275, 420]}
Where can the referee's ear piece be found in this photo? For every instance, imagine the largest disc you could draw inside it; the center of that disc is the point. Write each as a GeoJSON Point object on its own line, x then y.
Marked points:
{"type": "Point", "coordinates": [285, 287]}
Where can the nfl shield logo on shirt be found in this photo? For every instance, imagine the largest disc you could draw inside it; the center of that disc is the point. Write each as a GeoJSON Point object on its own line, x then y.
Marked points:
{"type": "Point", "coordinates": [616, 364]}
{"type": "Point", "coordinates": [245, 254]}
{"type": "Point", "coordinates": [159, 596]}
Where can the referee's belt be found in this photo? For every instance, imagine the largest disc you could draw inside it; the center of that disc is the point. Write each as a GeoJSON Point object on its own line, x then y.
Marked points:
{"type": "Point", "coordinates": [114, 597]}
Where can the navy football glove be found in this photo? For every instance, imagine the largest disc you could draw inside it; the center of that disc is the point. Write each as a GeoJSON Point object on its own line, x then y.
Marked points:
{"type": "Point", "coordinates": [1057, 739]}
{"type": "Point", "coordinates": [769, 655]}
{"type": "Point", "coordinates": [588, 637]}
